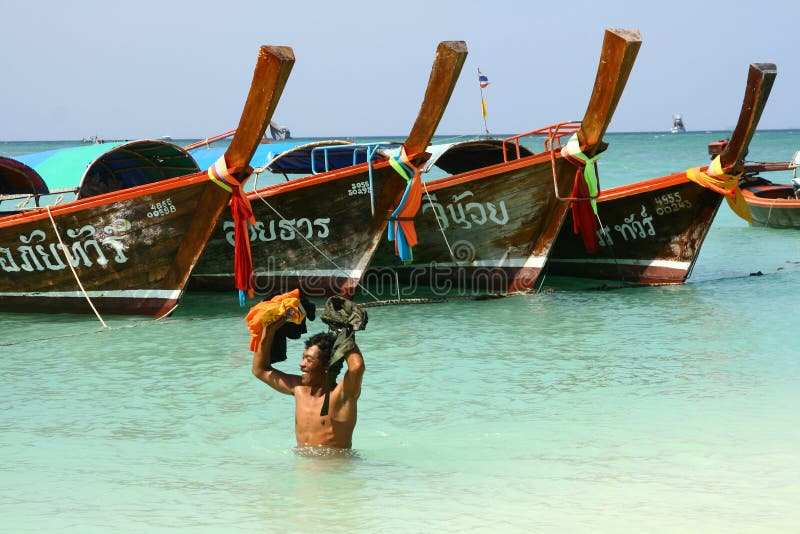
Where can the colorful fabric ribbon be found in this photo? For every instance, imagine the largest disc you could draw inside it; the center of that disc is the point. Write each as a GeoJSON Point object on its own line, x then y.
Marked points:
{"type": "Point", "coordinates": [401, 222]}
{"type": "Point", "coordinates": [717, 180]}
{"type": "Point", "coordinates": [584, 214]}
{"type": "Point", "coordinates": [242, 214]}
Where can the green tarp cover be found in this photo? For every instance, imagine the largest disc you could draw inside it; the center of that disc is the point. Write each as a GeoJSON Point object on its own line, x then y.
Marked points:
{"type": "Point", "coordinates": [109, 167]}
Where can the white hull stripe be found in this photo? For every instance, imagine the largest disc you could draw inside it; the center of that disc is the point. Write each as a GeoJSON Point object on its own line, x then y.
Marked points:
{"type": "Point", "coordinates": [531, 262]}
{"type": "Point", "coordinates": [536, 262]}
{"type": "Point", "coordinates": [158, 294]}
{"type": "Point", "coordinates": [338, 273]}
{"type": "Point", "coordinates": [678, 265]}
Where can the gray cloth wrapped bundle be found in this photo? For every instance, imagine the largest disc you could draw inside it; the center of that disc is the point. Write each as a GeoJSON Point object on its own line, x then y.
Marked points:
{"type": "Point", "coordinates": [344, 317]}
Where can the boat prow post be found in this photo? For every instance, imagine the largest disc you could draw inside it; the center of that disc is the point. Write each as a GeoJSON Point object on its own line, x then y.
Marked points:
{"type": "Point", "coordinates": [620, 48]}
{"type": "Point", "coordinates": [450, 57]}
{"type": "Point", "coordinates": [760, 78]}
{"type": "Point", "coordinates": [272, 70]}
{"type": "Point", "coordinates": [273, 66]}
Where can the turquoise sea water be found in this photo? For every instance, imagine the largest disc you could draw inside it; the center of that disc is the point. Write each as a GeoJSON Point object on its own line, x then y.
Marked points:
{"type": "Point", "coordinates": [639, 409]}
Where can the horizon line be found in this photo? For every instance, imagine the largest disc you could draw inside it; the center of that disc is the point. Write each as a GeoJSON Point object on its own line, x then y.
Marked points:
{"type": "Point", "coordinates": [626, 132]}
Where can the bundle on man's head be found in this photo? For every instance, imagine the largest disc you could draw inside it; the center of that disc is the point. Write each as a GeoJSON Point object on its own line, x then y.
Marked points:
{"type": "Point", "coordinates": [292, 330]}
{"type": "Point", "coordinates": [291, 305]}
{"type": "Point", "coordinates": [340, 313]}
{"type": "Point", "coordinates": [344, 317]}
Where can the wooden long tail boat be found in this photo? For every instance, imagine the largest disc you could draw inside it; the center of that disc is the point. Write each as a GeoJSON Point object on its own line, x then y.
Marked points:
{"type": "Point", "coordinates": [490, 225]}
{"type": "Point", "coordinates": [130, 251]}
{"type": "Point", "coordinates": [651, 231]}
{"type": "Point", "coordinates": [775, 205]}
{"type": "Point", "coordinates": [319, 232]}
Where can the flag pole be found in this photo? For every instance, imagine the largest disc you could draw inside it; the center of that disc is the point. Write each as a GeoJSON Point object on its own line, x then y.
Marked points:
{"type": "Point", "coordinates": [483, 102]}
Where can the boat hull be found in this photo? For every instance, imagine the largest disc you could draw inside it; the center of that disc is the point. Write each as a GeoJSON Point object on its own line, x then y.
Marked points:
{"type": "Point", "coordinates": [487, 230]}
{"type": "Point", "coordinates": [316, 233]}
{"type": "Point", "coordinates": [652, 233]}
{"type": "Point", "coordinates": [772, 205]}
{"type": "Point", "coordinates": [131, 251]}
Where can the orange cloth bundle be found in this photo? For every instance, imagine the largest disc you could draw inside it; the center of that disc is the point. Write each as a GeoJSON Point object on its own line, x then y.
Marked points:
{"type": "Point", "coordinates": [269, 310]}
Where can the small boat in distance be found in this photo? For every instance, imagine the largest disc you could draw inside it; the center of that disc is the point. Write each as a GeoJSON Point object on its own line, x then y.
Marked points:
{"type": "Point", "coordinates": [677, 124]}
{"type": "Point", "coordinates": [94, 140]}
{"type": "Point", "coordinates": [278, 132]}
{"type": "Point", "coordinates": [776, 205]}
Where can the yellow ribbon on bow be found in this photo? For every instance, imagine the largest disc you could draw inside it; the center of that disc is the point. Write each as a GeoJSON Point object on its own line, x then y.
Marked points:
{"type": "Point", "coordinates": [717, 180]}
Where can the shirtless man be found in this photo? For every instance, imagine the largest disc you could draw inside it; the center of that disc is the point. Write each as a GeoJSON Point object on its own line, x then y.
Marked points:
{"type": "Point", "coordinates": [334, 429]}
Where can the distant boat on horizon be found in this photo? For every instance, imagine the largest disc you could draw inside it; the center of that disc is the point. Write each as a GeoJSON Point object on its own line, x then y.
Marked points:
{"type": "Point", "coordinates": [677, 124]}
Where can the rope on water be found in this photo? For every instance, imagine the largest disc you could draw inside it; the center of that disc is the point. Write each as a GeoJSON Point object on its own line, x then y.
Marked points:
{"type": "Point", "coordinates": [68, 256]}
{"type": "Point", "coordinates": [439, 300]}
{"type": "Point", "coordinates": [390, 302]}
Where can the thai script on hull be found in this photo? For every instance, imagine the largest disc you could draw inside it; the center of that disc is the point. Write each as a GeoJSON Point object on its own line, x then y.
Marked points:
{"type": "Point", "coordinates": [466, 214]}
{"type": "Point", "coordinates": [284, 229]}
{"type": "Point", "coordinates": [88, 247]}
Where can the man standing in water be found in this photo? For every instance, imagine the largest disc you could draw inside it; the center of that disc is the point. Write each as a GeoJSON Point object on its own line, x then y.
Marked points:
{"type": "Point", "coordinates": [312, 429]}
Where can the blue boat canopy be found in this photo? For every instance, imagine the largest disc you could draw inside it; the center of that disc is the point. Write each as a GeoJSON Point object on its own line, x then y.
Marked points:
{"type": "Point", "coordinates": [298, 157]}
{"type": "Point", "coordinates": [465, 156]}
{"type": "Point", "coordinates": [324, 156]}
{"type": "Point", "coordinates": [95, 169]}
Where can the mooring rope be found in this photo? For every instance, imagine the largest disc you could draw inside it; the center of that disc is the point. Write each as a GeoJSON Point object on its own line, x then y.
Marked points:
{"type": "Point", "coordinates": [320, 251]}
{"type": "Point", "coordinates": [620, 272]}
{"type": "Point", "coordinates": [441, 228]}
{"type": "Point", "coordinates": [72, 268]}
{"type": "Point", "coordinates": [167, 314]}
{"type": "Point", "coordinates": [769, 213]}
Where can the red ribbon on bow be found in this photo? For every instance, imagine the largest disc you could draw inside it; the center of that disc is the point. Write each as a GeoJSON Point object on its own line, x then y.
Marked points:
{"type": "Point", "coordinates": [242, 213]}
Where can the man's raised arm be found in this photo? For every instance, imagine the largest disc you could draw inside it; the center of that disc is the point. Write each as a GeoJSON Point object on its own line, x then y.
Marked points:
{"type": "Point", "coordinates": [262, 368]}
{"type": "Point", "coordinates": [351, 383]}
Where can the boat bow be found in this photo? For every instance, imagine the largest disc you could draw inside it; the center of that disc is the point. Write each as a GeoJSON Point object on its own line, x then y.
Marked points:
{"type": "Point", "coordinates": [450, 57]}
{"type": "Point", "coordinates": [760, 79]}
{"type": "Point", "coordinates": [620, 48]}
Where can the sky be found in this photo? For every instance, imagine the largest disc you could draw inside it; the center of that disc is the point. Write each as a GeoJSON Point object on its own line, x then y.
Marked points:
{"type": "Point", "coordinates": [145, 69]}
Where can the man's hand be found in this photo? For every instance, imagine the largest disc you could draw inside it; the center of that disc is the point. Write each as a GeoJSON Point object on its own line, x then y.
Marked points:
{"type": "Point", "coordinates": [268, 332]}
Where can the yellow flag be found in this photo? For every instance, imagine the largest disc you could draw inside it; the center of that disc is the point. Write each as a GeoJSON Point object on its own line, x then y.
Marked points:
{"type": "Point", "coordinates": [483, 106]}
